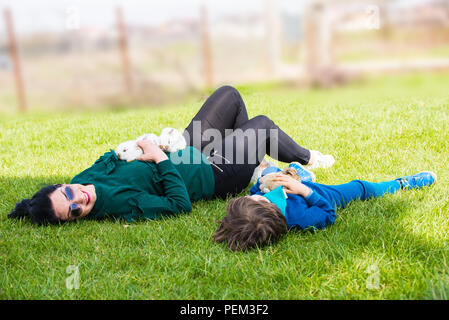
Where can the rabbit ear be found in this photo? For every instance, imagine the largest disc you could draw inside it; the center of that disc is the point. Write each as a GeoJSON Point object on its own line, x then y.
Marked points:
{"type": "Point", "coordinates": [21, 210]}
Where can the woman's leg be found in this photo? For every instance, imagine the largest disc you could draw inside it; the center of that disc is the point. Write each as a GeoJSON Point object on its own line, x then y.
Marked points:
{"type": "Point", "coordinates": [257, 137]}
{"type": "Point", "coordinates": [238, 154]}
{"type": "Point", "coordinates": [248, 143]}
{"type": "Point", "coordinates": [274, 141]}
{"type": "Point", "coordinates": [224, 109]}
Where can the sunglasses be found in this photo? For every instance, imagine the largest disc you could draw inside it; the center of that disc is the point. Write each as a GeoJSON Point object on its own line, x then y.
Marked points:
{"type": "Point", "coordinates": [75, 209]}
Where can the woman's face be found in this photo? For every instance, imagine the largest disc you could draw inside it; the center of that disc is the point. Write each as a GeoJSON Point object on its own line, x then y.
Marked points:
{"type": "Point", "coordinates": [73, 201]}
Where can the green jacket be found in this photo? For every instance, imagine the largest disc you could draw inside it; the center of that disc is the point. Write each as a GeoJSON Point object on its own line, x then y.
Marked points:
{"type": "Point", "coordinates": [145, 190]}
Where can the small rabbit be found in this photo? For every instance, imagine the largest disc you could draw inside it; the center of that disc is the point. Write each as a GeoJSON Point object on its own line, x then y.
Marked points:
{"type": "Point", "coordinates": [269, 185]}
{"type": "Point", "coordinates": [260, 168]}
{"type": "Point", "coordinates": [170, 140]}
{"type": "Point", "coordinates": [150, 137]}
{"type": "Point", "coordinates": [128, 150]}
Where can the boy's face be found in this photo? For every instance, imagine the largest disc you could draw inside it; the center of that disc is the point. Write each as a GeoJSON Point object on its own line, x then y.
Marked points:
{"type": "Point", "coordinates": [258, 198]}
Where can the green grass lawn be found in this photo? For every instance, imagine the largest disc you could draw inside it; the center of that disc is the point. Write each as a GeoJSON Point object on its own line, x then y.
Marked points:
{"type": "Point", "coordinates": [390, 248]}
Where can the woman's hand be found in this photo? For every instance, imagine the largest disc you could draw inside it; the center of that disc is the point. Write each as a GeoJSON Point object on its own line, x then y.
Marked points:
{"type": "Point", "coordinates": [291, 185]}
{"type": "Point", "coordinates": [151, 152]}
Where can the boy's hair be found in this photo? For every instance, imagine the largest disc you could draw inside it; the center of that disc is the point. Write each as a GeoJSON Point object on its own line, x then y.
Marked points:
{"type": "Point", "coordinates": [39, 208]}
{"type": "Point", "coordinates": [249, 223]}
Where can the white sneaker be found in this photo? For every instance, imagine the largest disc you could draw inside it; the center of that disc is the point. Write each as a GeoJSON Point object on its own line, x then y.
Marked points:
{"type": "Point", "coordinates": [321, 160]}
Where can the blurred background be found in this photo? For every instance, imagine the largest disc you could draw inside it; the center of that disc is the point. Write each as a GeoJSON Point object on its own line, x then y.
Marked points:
{"type": "Point", "coordinates": [113, 54]}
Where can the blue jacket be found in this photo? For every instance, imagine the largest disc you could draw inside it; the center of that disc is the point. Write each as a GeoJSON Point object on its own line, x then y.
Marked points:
{"type": "Point", "coordinates": [317, 210]}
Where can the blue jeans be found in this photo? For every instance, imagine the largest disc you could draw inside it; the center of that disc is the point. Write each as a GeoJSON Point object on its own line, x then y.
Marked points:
{"type": "Point", "coordinates": [340, 195]}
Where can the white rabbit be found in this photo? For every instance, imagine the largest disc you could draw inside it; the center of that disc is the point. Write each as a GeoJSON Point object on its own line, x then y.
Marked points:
{"type": "Point", "coordinates": [170, 140]}
{"type": "Point", "coordinates": [150, 137]}
{"type": "Point", "coordinates": [128, 150]}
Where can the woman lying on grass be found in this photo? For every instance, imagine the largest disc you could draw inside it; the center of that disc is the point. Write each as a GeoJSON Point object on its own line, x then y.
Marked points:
{"type": "Point", "coordinates": [162, 183]}
{"type": "Point", "coordinates": [260, 219]}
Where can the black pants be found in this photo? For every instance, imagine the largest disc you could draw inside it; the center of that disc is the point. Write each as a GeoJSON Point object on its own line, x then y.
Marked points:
{"type": "Point", "coordinates": [234, 144]}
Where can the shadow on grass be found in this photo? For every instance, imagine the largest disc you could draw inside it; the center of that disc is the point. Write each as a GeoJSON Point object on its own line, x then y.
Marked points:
{"type": "Point", "coordinates": [378, 233]}
{"type": "Point", "coordinates": [14, 189]}
{"type": "Point", "coordinates": [373, 232]}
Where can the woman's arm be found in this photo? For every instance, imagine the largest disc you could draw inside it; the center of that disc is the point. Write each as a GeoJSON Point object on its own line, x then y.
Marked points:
{"type": "Point", "coordinates": [176, 198]}
{"type": "Point", "coordinates": [151, 152]}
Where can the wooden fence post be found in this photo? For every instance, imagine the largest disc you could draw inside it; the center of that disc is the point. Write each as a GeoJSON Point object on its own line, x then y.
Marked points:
{"type": "Point", "coordinates": [126, 65]}
{"type": "Point", "coordinates": [206, 49]}
{"type": "Point", "coordinates": [14, 54]}
{"type": "Point", "coordinates": [273, 36]}
{"type": "Point", "coordinates": [317, 40]}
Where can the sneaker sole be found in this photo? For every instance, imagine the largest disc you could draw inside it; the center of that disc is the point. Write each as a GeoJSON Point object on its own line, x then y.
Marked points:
{"type": "Point", "coordinates": [322, 164]}
{"type": "Point", "coordinates": [308, 171]}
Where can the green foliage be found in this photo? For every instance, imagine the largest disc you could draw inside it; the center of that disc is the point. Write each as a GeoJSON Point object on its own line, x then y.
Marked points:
{"type": "Point", "coordinates": [377, 130]}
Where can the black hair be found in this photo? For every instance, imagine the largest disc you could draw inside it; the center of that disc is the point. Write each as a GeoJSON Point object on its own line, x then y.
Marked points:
{"type": "Point", "coordinates": [39, 208]}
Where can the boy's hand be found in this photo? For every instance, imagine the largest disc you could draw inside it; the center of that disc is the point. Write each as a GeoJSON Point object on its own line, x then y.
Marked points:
{"type": "Point", "coordinates": [291, 185]}
{"type": "Point", "coordinates": [262, 179]}
{"type": "Point", "coordinates": [151, 152]}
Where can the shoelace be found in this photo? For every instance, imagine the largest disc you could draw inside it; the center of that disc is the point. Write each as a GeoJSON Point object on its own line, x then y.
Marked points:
{"type": "Point", "coordinates": [405, 184]}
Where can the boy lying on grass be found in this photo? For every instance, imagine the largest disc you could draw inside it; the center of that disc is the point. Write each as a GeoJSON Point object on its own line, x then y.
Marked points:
{"type": "Point", "coordinates": [260, 219]}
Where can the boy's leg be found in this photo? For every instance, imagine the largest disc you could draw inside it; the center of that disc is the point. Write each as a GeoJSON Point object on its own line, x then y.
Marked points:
{"type": "Point", "coordinates": [342, 194]}
{"type": "Point", "coordinates": [416, 181]}
{"type": "Point", "coordinates": [378, 189]}
{"type": "Point", "coordinates": [425, 178]}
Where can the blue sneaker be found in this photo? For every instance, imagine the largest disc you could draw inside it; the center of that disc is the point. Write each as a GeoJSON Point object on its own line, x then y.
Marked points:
{"type": "Point", "coordinates": [419, 180]}
{"type": "Point", "coordinates": [304, 174]}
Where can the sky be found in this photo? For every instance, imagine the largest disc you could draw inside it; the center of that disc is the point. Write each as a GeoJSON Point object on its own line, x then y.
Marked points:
{"type": "Point", "coordinates": [52, 15]}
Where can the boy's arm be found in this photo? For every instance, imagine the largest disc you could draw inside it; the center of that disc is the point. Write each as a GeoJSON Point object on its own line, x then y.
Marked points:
{"type": "Point", "coordinates": [255, 188]}
{"type": "Point", "coordinates": [318, 214]}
